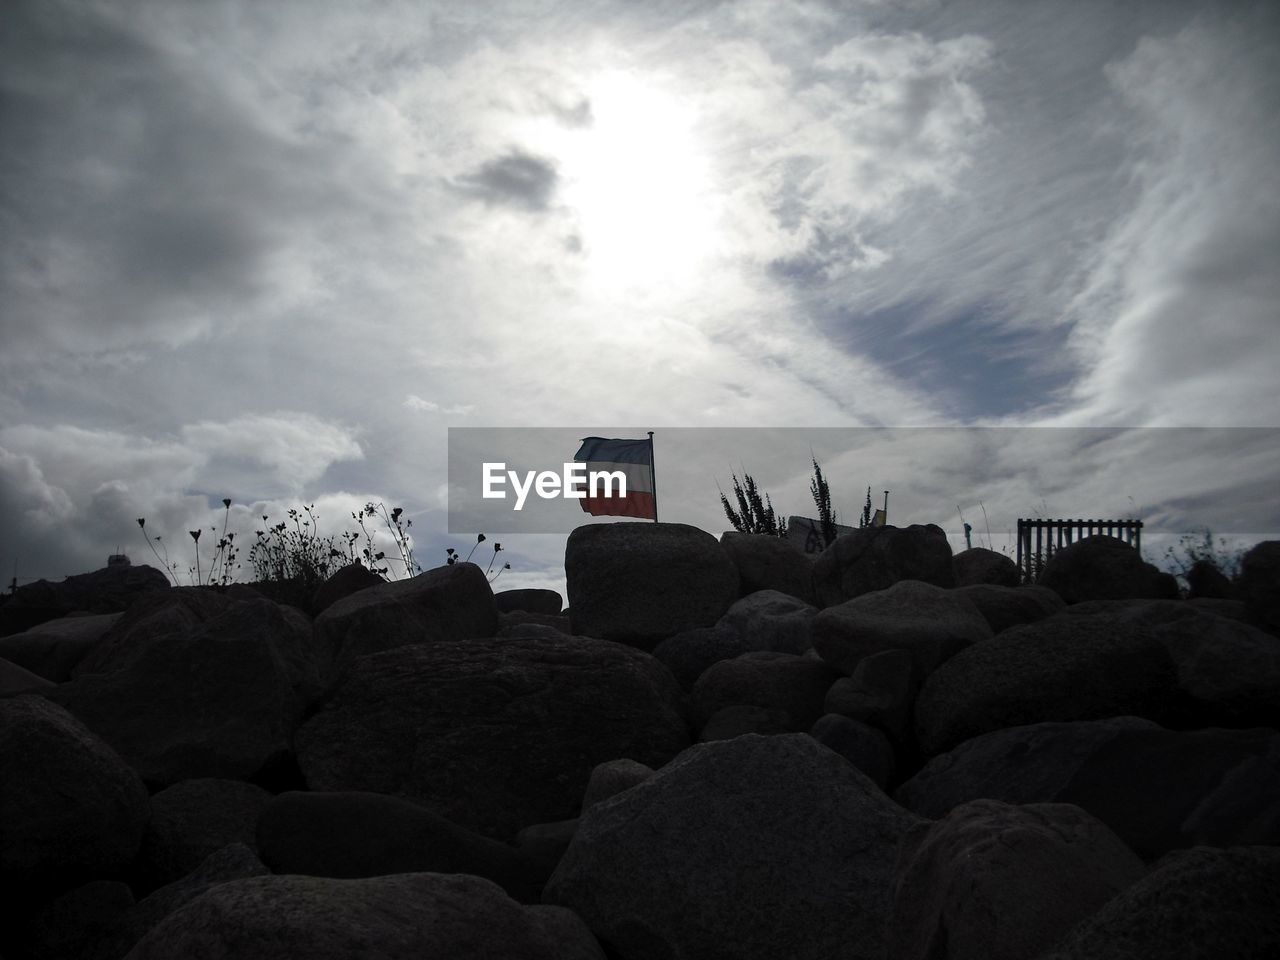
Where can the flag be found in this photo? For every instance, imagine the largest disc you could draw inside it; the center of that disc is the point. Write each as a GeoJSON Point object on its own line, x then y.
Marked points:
{"type": "Point", "coordinates": [634, 459]}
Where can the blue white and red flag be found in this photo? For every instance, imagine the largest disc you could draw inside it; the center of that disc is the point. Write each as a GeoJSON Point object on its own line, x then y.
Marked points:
{"type": "Point", "coordinates": [632, 458]}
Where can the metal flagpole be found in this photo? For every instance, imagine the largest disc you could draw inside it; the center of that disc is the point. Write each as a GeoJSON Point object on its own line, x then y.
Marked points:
{"type": "Point", "coordinates": [653, 478]}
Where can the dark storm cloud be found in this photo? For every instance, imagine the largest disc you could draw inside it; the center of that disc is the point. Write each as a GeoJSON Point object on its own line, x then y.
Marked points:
{"type": "Point", "coordinates": [139, 201]}
{"type": "Point", "coordinates": [516, 179]}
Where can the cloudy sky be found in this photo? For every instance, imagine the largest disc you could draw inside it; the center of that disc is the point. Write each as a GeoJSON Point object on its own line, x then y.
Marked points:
{"type": "Point", "coordinates": [273, 251]}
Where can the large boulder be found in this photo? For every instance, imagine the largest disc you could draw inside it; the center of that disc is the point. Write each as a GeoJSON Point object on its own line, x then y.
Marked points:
{"type": "Point", "coordinates": [980, 565]}
{"type": "Point", "coordinates": [70, 808]}
{"type": "Point", "coordinates": [1259, 583]}
{"type": "Point", "coordinates": [154, 617]}
{"type": "Point", "coordinates": [352, 578]}
{"type": "Point", "coordinates": [1157, 789]}
{"type": "Point", "coordinates": [219, 700]}
{"type": "Point", "coordinates": [754, 847]}
{"type": "Point", "coordinates": [863, 745]}
{"type": "Point", "coordinates": [875, 558]}
{"type": "Point", "coordinates": [453, 602]}
{"type": "Point", "coordinates": [193, 819]}
{"type": "Point", "coordinates": [1200, 904]}
{"type": "Point", "coordinates": [691, 652]}
{"type": "Point", "coordinates": [881, 692]}
{"type": "Point", "coordinates": [402, 917]}
{"type": "Point", "coordinates": [775, 681]}
{"type": "Point", "coordinates": [16, 679]}
{"type": "Point", "coordinates": [771, 620]}
{"type": "Point", "coordinates": [530, 600]}
{"type": "Point", "coordinates": [930, 623]}
{"type": "Point", "coordinates": [492, 734]}
{"type": "Point", "coordinates": [1228, 671]}
{"type": "Point", "coordinates": [998, 882]}
{"type": "Point", "coordinates": [639, 583]}
{"type": "Point", "coordinates": [1006, 607]}
{"type": "Point", "coordinates": [109, 590]}
{"type": "Point", "coordinates": [1105, 568]}
{"type": "Point", "coordinates": [1062, 668]}
{"type": "Point", "coordinates": [770, 563]}
{"type": "Point", "coordinates": [356, 834]}
{"type": "Point", "coordinates": [52, 649]}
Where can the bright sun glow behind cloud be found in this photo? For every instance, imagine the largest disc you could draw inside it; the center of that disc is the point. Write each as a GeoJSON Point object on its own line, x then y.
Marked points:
{"type": "Point", "coordinates": [638, 184]}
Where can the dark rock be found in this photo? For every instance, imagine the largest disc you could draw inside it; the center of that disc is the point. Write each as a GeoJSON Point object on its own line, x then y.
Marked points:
{"type": "Point", "coordinates": [352, 578]}
{"type": "Point", "coordinates": [875, 558]}
{"type": "Point", "coordinates": [754, 847]}
{"type": "Point", "coordinates": [1006, 607]}
{"type": "Point", "coordinates": [743, 718]}
{"type": "Point", "coordinates": [453, 602]}
{"type": "Point", "coordinates": [1105, 568]}
{"type": "Point", "coordinates": [612, 777]}
{"type": "Point", "coordinates": [52, 649]}
{"type": "Point", "coordinates": [109, 590]}
{"type": "Point", "coordinates": [999, 882]}
{"type": "Point", "coordinates": [773, 681]}
{"type": "Point", "coordinates": [70, 809]}
{"type": "Point", "coordinates": [543, 844]}
{"type": "Point", "coordinates": [219, 700]}
{"type": "Point", "coordinates": [687, 655]}
{"type": "Point", "coordinates": [615, 572]}
{"type": "Point", "coordinates": [518, 623]}
{"type": "Point", "coordinates": [195, 818]}
{"type": "Point", "coordinates": [1228, 671]}
{"type": "Point", "coordinates": [152, 618]}
{"type": "Point", "coordinates": [15, 679]}
{"type": "Point", "coordinates": [928, 622]}
{"type": "Point", "coordinates": [545, 602]}
{"type": "Point", "coordinates": [769, 620]}
{"type": "Point", "coordinates": [1200, 904]}
{"type": "Point", "coordinates": [864, 746]}
{"type": "Point", "coordinates": [87, 923]}
{"type": "Point", "coordinates": [492, 734]}
{"type": "Point", "coordinates": [402, 917]}
{"type": "Point", "coordinates": [1157, 789]}
{"type": "Point", "coordinates": [1061, 668]}
{"type": "Point", "coordinates": [1206, 581]}
{"type": "Point", "coordinates": [980, 565]}
{"type": "Point", "coordinates": [1259, 583]}
{"type": "Point", "coordinates": [357, 834]}
{"type": "Point", "coordinates": [770, 563]}
{"type": "Point", "coordinates": [236, 861]}
{"type": "Point", "coordinates": [881, 692]}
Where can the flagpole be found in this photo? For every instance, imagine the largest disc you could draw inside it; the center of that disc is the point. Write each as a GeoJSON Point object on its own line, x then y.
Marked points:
{"type": "Point", "coordinates": [653, 478]}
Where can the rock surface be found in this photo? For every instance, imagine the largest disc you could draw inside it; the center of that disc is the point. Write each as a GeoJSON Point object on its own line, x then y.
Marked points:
{"type": "Point", "coordinates": [1259, 583]}
{"type": "Point", "coordinates": [219, 700]}
{"type": "Point", "coordinates": [356, 834]}
{"type": "Point", "coordinates": [195, 818]}
{"type": "Point", "coordinates": [403, 917]}
{"type": "Point", "coordinates": [998, 882]}
{"type": "Point", "coordinates": [1105, 568]}
{"type": "Point", "coordinates": [930, 623]}
{"type": "Point", "coordinates": [53, 649]}
{"type": "Point", "coordinates": [875, 558]}
{"type": "Point", "coordinates": [980, 565]}
{"type": "Point", "coordinates": [453, 602]}
{"type": "Point", "coordinates": [1062, 668]}
{"type": "Point", "coordinates": [753, 847]}
{"type": "Point", "coordinates": [614, 571]}
{"type": "Point", "coordinates": [770, 563]}
{"type": "Point", "coordinates": [774, 681]}
{"type": "Point", "coordinates": [1199, 904]}
{"type": "Point", "coordinates": [492, 734]}
{"type": "Point", "coordinates": [70, 809]}
{"type": "Point", "coordinates": [1157, 789]}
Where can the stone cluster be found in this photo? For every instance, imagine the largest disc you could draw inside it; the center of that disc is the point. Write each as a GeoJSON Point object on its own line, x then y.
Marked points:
{"type": "Point", "coordinates": [721, 749]}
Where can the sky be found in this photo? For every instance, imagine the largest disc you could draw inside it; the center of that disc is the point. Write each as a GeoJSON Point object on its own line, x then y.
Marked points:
{"type": "Point", "coordinates": [274, 252]}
